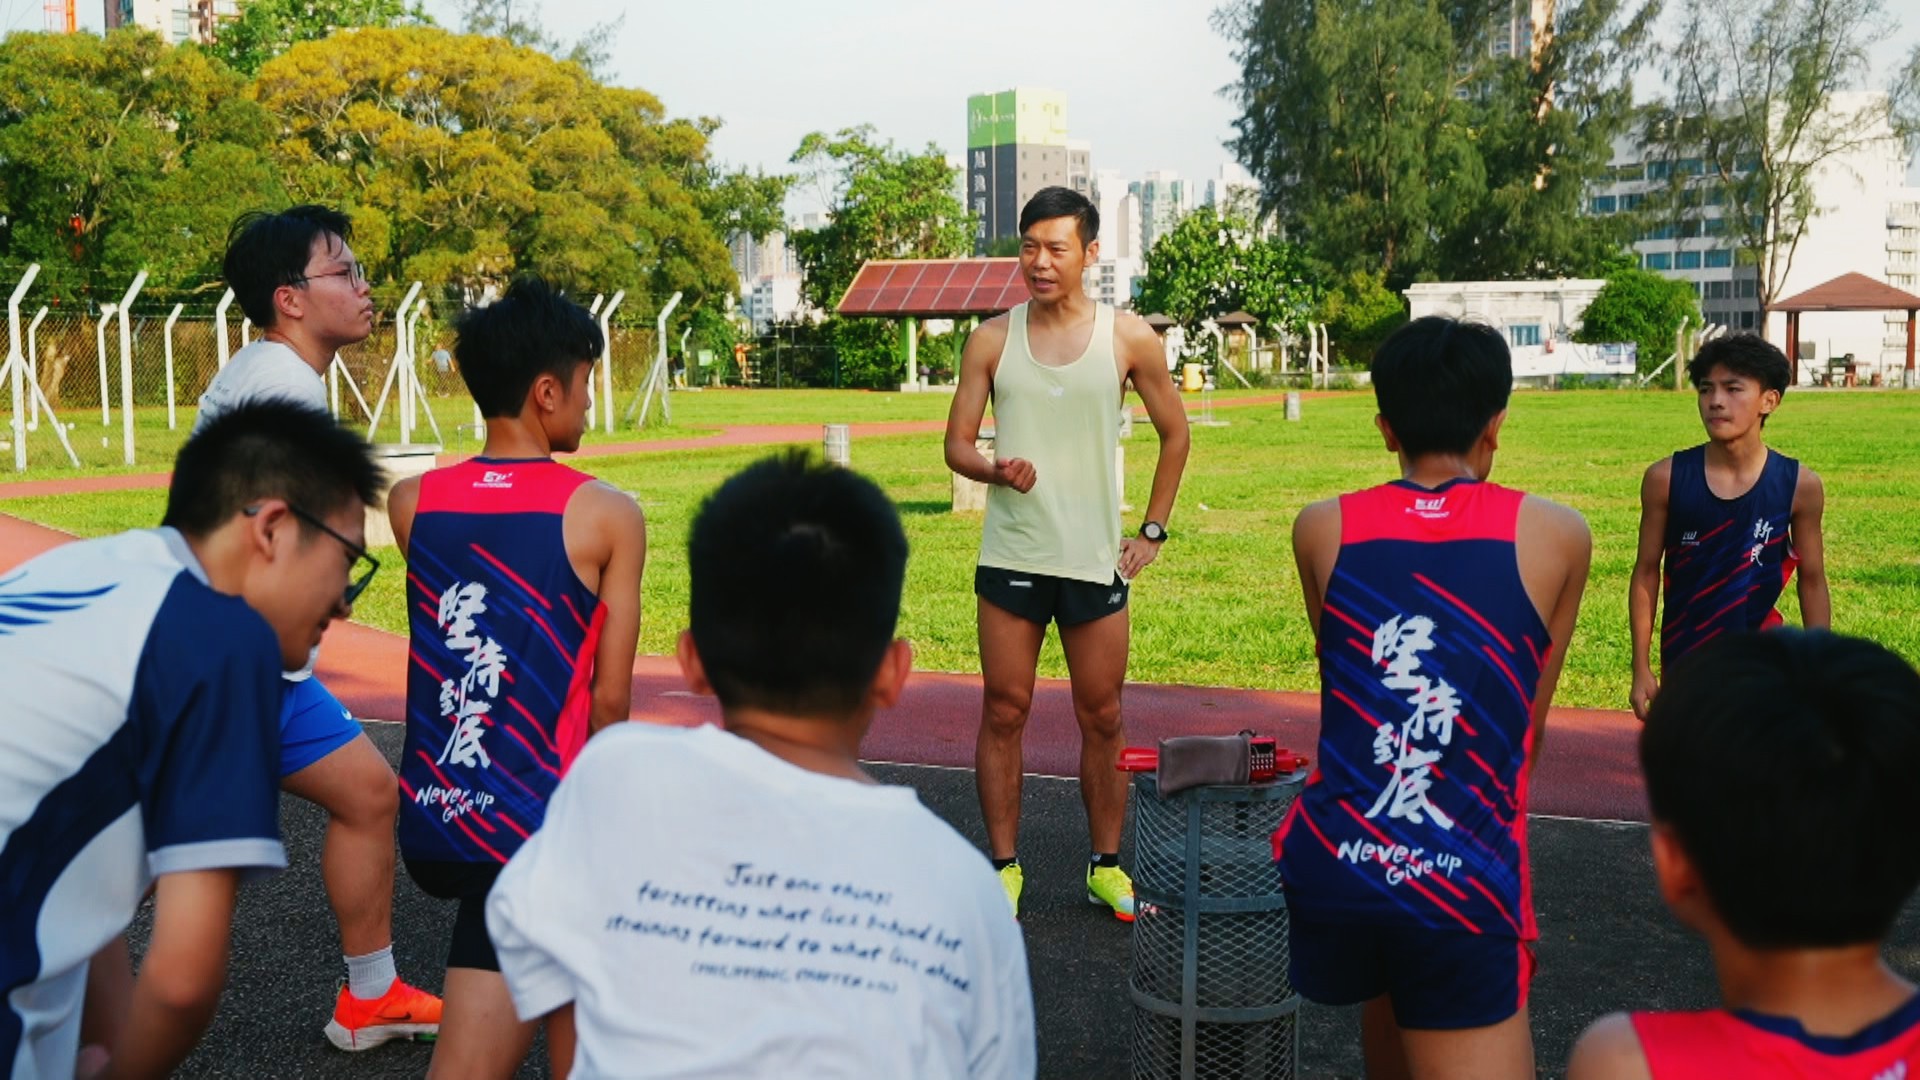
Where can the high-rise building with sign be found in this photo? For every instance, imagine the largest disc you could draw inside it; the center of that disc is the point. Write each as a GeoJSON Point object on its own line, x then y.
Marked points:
{"type": "Point", "coordinates": [1016, 145]}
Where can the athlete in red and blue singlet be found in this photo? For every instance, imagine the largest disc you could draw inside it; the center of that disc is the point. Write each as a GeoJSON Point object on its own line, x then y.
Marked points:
{"type": "Point", "coordinates": [503, 639]}
{"type": "Point", "coordinates": [1717, 1043]}
{"type": "Point", "coordinates": [1727, 560]}
{"type": "Point", "coordinates": [1414, 820]}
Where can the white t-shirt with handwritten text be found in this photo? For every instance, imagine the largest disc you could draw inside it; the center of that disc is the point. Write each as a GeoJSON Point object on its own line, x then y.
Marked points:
{"type": "Point", "coordinates": [713, 911]}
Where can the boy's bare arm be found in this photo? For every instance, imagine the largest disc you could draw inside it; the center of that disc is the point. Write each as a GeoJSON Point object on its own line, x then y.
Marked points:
{"type": "Point", "coordinates": [1609, 1051]}
{"type": "Point", "coordinates": [1809, 546]}
{"type": "Point", "coordinates": [1555, 559]}
{"type": "Point", "coordinates": [615, 518]}
{"type": "Point", "coordinates": [1643, 589]}
{"type": "Point", "coordinates": [402, 501]}
{"type": "Point", "coordinates": [180, 980]}
{"type": "Point", "coordinates": [1316, 544]}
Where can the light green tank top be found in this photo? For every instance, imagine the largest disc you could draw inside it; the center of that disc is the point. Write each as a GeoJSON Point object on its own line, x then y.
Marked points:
{"type": "Point", "coordinates": [1066, 420]}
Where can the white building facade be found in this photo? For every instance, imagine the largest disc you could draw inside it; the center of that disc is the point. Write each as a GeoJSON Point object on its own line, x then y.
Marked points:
{"type": "Point", "coordinates": [1866, 220]}
{"type": "Point", "coordinates": [1538, 319]}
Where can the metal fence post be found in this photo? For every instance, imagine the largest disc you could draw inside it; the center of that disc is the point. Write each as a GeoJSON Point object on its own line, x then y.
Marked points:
{"type": "Point", "coordinates": [100, 347]}
{"type": "Point", "coordinates": [33, 367]}
{"type": "Point", "coordinates": [220, 327]}
{"type": "Point", "coordinates": [606, 362]}
{"type": "Point", "coordinates": [16, 360]}
{"type": "Point", "coordinates": [171, 319]}
{"type": "Point", "coordinates": [126, 369]}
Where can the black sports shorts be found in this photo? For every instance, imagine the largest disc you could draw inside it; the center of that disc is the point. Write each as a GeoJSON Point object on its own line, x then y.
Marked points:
{"type": "Point", "coordinates": [466, 883]}
{"type": "Point", "coordinates": [1041, 598]}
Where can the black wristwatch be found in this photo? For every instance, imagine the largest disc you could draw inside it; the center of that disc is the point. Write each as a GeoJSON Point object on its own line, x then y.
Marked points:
{"type": "Point", "coordinates": [1153, 531]}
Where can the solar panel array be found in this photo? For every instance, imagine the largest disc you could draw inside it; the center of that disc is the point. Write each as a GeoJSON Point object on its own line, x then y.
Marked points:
{"type": "Point", "coordinates": [935, 288]}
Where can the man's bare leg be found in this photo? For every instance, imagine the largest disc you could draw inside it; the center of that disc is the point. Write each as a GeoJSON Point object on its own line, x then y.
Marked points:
{"type": "Point", "coordinates": [1097, 666]}
{"type": "Point", "coordinates": [1502, 1051]}
{"type": "Point", "coordinates": [1009, 653]}
{"type": "Point", "coordinates": [481, 1037]}
{"type": "Point", "coordinates": [357, 789]}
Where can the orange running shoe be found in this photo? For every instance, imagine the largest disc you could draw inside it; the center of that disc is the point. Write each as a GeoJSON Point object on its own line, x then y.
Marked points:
{"type": "Point", "coordinates": [401, 1013]}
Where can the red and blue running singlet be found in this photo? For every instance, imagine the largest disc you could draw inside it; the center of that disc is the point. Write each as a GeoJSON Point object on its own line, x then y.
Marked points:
{"type": "Point", "coordinates": [1716, 1043]}
{"type": "Point", "coordinates": [1727, 560]}
{"type": "Point", "coordinates": [1430, 652]}
{"type": "Point", "coordinates": [500, 668]}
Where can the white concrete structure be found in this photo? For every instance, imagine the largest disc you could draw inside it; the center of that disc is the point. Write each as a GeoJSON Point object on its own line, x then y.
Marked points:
{"type": "Point", "coordinates": [1119, 217]}
{"type": "Point", "coordinates": [1539, 319]}
{"type": "Point", "coordinates": [176, 21]}
{"type": "Point", "coordinates": [1867, 220]}
{"type": "Point", "coordinates": [1110, 281]}
{"type": "Point", "coordinates": [772, 298]}
{"type": "Point", "coordinates": [1233, 189]}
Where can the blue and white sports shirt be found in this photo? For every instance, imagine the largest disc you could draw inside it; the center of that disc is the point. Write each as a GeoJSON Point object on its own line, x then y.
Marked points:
{"type": "Point", "coordinates": [139, 737]}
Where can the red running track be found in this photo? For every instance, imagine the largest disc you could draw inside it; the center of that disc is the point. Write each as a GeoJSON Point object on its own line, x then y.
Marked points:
{"type": "Point", "coordinates": [1587, 769]}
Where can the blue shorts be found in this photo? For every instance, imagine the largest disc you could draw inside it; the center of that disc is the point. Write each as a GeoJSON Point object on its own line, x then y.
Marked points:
{"type": "Point", "coordinates": [313, 724]}
{"type": "Point", "coordinates": [1438, 980]}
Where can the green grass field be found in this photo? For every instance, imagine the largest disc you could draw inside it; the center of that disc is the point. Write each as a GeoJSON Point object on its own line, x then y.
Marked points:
{"type": "Point", "coordinates": [1222, 605]}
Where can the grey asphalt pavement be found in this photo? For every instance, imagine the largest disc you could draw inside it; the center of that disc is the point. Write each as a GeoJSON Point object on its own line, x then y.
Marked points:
{"type": "Point", "coordinates": [1605, 944]}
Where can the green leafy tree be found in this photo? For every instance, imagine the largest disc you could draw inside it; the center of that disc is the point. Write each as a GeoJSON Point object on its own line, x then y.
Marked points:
{"type": "Point", "coordinates": [1388, 136]}
{"type": "Point", "coordinates": [883, 203]}
{"type": "Point", "coordinates": [1211, 265]}
{"type": "Point", "coordinates": [119, 153]}
{"type": "Point", "coordinates": [1755, 117]}
{"type": "Point", "coordinates": [466, 159]}
{"type": "Point", "coordinates": [267, 28]}
{"type": "Point", "coordinates": [1642, 307]}
{"type": "Point", "coordinates": [1360, 312]}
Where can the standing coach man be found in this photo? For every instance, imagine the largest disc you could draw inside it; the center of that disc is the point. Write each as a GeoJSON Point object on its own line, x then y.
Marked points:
{"type": "Point", "coordinates": [1056, 369]}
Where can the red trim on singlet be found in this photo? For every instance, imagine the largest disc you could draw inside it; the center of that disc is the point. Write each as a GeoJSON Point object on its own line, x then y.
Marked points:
{"type": "Point", "coordinates": [537, 486]}
{"type": "Point", "coordinates": [1469, 511]}
{"type": "Point", "coordinates": [570, 733]}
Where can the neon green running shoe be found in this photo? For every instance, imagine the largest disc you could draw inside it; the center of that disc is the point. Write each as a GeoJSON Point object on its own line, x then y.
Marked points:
{"type": "Point", "coordinates": [1013, 880]}
{"type": "Point", "coordinates": [1111, 886]}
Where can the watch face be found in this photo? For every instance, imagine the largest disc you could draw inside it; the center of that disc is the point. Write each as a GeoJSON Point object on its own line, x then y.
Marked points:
{"type": "Point", "coordinates": [1153, 530]}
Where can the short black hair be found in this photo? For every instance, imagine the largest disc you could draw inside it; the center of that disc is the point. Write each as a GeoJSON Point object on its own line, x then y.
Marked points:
{"type": "Point", "coordinates": [271, 449]}
{"type": "Point", "coordinates": [1058, 202]}
{"type": "Point", "coordinates": [532, 330]}
{"type": "Point", "coordinates": [1782, 762]}
{"type": "Point", "coordinates": [1439, 380]}
{"type": "Point", "coordinates": [1748, 355]}
{"type": "Point", "coordinates": [267, 249]}
{"type": "Point", "coordinates": [797, 567]}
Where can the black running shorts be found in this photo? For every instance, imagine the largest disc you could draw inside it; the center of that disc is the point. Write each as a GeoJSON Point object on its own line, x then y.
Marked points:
{"type": "Point", "coordinates": [467, 884]}
{"type": "Point", "coordinates": [1041, 598]}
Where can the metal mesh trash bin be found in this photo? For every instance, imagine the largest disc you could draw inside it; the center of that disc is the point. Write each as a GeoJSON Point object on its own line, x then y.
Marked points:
{"type": "Point", "coordinates": [1209, 981]}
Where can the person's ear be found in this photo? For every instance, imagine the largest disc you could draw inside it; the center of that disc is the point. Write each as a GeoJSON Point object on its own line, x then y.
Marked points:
{"type": "Point", "coordinates": [1769, 401]}
{"type": "Point", "coordinates": [1386, 432]}
{"type": "Point", "coordinates": [891, 677]}
{"type": "Point", "coordinates": [547, 392]}
{"type": "Point", "coordinates": [1093, 252]}
{"type": "Point", "coordinates": [690, 666]}
{"type": "Point", "coordinates": [1490, 438]}
{"type": "Point", "coordinates": [289, 302]}
{"type": "Point", "coordinates": [1676, 875]}
{"type": "Point", "coordinates": [264, 526]}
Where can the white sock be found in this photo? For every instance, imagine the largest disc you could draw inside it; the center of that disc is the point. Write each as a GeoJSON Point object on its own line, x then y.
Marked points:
{"type": "Point", "coordinates": [370, 976]}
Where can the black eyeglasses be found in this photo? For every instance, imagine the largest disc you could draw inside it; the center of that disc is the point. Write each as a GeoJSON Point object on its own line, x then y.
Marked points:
{"type": "Point", "coordinates": [361, 578]}
{"type": "Point", "coordinates": [353, 272]}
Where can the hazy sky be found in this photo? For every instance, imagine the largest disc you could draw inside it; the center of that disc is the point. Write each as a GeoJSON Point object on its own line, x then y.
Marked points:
{"type": "Point", "coordinates": [1142, 77]}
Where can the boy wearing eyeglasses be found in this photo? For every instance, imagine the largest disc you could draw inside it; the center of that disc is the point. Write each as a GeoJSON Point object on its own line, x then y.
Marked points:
{"type": "Point", "coordinates": [296, 278]}
{"type": "Point", "coordinates": [139, 740]}
{"type": "Point", "coordinates": [523, 592]}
